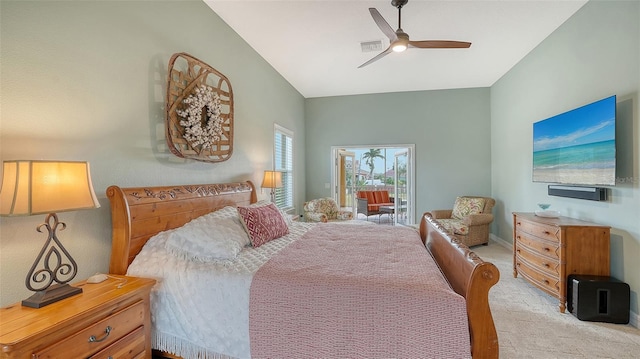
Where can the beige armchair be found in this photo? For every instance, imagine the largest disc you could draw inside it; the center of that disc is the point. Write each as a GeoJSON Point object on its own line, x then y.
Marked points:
{"type": "Point", "coordinates": [469, 219]}
{"type": "Point", "coordinates": [325, 210]}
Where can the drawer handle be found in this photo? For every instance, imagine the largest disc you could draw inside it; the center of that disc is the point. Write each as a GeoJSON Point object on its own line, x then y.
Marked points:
{"type": "Point", "coordinates": [93, 339]}
{"type": "Point", "coordinates": [547, 232]}
{"type": "Point", "coordinates": [546, 282]}
{"type": "Point", "coordinates": [546, 264]}
{"type": "Point", "coordinates": [546, 249]}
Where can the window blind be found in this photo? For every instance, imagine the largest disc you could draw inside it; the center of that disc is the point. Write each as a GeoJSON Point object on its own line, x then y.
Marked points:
{"type": "Point", "coordinates": [283, 162]}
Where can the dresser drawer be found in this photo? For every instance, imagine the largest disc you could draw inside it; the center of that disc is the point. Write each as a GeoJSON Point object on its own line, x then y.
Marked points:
{"type": "Point", "coordinates": [549, 283]}
{"type": "Point", "coordinates": [544, 247]}
{"type": "Point", "coordinates": [546, 264]}
{"type": "Point", "coordinates": [97, 336]}
{"type": "Point", "coordinates": [540, 230]}
{"type": "Point", "coordinates": [129, 347]}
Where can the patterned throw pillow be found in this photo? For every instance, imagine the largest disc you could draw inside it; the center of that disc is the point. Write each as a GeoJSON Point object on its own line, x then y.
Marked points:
{"type": "Point", "coordinates": [465, 206]}
{"type": "Point", "coordinates": [263, 224]}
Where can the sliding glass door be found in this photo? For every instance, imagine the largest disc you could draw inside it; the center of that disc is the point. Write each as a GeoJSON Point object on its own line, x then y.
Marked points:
{"type": "Point", "coordinates": [345, 180]}
{"type": "Point", "coordinates": [403, 207]}
{"type": "Point", "coordinates": [379, 168]}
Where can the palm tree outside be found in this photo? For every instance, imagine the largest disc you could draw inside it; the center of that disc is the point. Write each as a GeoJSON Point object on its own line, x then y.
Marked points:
{"type": "Point", "coordinates": [370, 157]}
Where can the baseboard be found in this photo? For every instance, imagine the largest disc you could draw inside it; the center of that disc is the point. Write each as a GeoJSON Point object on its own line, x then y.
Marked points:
{"type": "Point", "coordinates": [500, 241]}
{"type": "Point", "coordinates": [634, 318]}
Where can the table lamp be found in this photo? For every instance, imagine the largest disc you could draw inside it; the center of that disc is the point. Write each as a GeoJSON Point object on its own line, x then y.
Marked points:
{"type": "Point", "coordinates": [46, 187]}
{"type": "Point", "coordinates": [272, 180]}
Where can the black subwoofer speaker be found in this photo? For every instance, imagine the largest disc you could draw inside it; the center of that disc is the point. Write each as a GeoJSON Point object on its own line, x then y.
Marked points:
{"type": "Point", "coordinates": [598, 299]}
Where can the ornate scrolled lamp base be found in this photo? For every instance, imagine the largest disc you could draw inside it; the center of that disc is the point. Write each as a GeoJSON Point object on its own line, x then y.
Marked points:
{"type": "Point", "coordinates": [51, 295]}
{"type": "Point", "coordinates": [58, 266]}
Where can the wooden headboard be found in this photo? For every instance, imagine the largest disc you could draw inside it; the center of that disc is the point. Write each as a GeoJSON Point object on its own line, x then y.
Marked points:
{"type": "Point", "coordinates": [139, 213]}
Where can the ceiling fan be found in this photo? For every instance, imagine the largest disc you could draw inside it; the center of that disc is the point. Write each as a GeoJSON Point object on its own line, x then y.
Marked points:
{"type": "Point", "coordinates": [399, 40]}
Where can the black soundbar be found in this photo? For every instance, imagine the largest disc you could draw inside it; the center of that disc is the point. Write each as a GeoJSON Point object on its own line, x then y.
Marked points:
{"type": "Point", "coordinates": [590, 193]}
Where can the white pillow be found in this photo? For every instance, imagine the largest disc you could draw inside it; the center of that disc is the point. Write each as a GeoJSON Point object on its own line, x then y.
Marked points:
{"type": "Point", "coordinates": [224, 212]}
{"type": "Point", "coordinates": [208, 238]}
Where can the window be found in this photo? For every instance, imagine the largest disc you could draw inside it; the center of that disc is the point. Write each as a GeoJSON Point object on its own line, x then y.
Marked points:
{"type": "Point", "coordinates": [283, 162]}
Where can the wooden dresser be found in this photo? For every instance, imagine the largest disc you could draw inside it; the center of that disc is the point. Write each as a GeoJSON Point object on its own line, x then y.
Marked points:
{"type": "Point", "coordinates": [547, 250]}
{"type": "Point", "coordinates": [108, 320]}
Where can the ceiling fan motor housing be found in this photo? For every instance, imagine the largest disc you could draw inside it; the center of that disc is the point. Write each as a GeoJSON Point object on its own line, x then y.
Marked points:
{"type": "Point", "coordinates": [399, 3]}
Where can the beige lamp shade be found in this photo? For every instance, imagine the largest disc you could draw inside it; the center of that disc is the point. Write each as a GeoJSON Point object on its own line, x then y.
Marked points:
{"type": "Point", "coordinates": [37, 187]}
{"type": "Point", "coordinates": [272, 179]}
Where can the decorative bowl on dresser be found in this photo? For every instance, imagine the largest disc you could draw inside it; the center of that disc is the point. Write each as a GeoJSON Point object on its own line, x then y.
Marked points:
{"type": "Point", "coordinates": [547, 250]}
{"type": "Point", "coordinates": [107, 320]}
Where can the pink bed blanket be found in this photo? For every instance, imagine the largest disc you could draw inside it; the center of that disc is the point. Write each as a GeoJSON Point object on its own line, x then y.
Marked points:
{"type": "Point", "coordinates": [353, 291]}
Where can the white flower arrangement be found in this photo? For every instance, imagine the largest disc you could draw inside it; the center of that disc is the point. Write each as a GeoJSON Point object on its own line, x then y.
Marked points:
{"type": "Point", "coordinates": [203, 96]}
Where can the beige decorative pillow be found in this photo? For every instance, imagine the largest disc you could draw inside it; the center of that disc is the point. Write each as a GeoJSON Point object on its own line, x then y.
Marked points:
{"type": "Point", "coordinates": [465, 206]}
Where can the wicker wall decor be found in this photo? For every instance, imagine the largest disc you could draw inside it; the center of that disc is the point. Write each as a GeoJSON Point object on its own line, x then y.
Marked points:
{"type": "Point", "coordinates": [199, 110]}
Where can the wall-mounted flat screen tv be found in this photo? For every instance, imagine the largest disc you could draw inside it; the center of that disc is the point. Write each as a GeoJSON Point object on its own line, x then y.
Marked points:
{"type": "Point", "coordinates": [577, 147]}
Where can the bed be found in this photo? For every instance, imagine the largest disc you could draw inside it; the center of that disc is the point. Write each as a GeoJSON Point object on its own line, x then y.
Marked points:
{"type": "Point", "coordinates": [139, 214]}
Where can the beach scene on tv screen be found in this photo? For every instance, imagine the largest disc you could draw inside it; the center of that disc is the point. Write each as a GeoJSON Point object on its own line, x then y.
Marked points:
{"type": "Point", "coordinates": [577, 147]}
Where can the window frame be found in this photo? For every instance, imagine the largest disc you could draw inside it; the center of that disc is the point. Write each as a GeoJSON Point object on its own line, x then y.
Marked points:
{"type": "Point", "coordinates": [283, 161]}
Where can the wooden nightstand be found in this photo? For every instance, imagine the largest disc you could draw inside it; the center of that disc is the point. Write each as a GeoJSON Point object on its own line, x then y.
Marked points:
{"type": "Point", "coordinates": [108, 320]}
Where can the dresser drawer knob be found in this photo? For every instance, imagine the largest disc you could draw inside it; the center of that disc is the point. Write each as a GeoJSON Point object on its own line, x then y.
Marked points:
{"type": "Point", "coordinates": [93, 339]}
{"type": "Point", "coordinates": [546, 249]}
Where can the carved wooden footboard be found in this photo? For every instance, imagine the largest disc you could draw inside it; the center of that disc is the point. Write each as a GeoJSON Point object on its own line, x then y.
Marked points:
{"type": "Point", "coordinates": [470, 277]}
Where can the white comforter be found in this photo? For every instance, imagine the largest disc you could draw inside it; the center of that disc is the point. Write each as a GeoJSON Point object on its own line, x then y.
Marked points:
{"type": "Point", "coordinates": [201, 310]}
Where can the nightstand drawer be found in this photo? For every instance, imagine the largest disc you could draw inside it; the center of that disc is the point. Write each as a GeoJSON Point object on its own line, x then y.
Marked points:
{"type": "Point", "coordinates": [541, 230]}
{"type": "Point", "coordinates": [544, 263]}
{"type": "Point", "coordinates": [546, 248]}
{"type": "Point", "coordinates": [549, 283]}
{"type": "Point", "coordinates": [129, 347]}
{"type": "Point", "coordinates": [97, 336]}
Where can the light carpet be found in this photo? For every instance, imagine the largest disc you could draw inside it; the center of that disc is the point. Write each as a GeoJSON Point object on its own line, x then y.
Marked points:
{"type": "Point", "coordinates": [530, 325]}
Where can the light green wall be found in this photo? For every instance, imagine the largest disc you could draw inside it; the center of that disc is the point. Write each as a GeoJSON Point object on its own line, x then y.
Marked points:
{"type": "Point", "coordinates": [593, 55]}
{"type": "Point", "coordinates": [87, 80]}
{"type": "Point", "coordinates": [450, 130]}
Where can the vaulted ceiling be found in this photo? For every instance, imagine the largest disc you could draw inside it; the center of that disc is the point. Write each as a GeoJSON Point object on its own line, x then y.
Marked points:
{"type": "Point", "coordinates": [316, 45]}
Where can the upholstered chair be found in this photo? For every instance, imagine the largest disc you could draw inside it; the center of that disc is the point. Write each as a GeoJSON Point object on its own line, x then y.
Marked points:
{"type": "Point", "coordinates": [469, 220]}
{"type": "Point", "coordinates": [325, 210]}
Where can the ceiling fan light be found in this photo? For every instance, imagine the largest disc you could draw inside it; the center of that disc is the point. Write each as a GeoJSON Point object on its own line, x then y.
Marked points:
{"type": "Point", "coordinates": [402, 41]}
{"type": "Point", "coordinates": [400, 47]}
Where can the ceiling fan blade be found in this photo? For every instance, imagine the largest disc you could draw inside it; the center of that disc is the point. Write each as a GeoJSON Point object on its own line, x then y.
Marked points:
{"type": "Point", "coordinates": [378, 57]}
{"type": "Point", "coordinates": [439, 44]}
{"type": "Point", "coordinates": [383, 24]}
